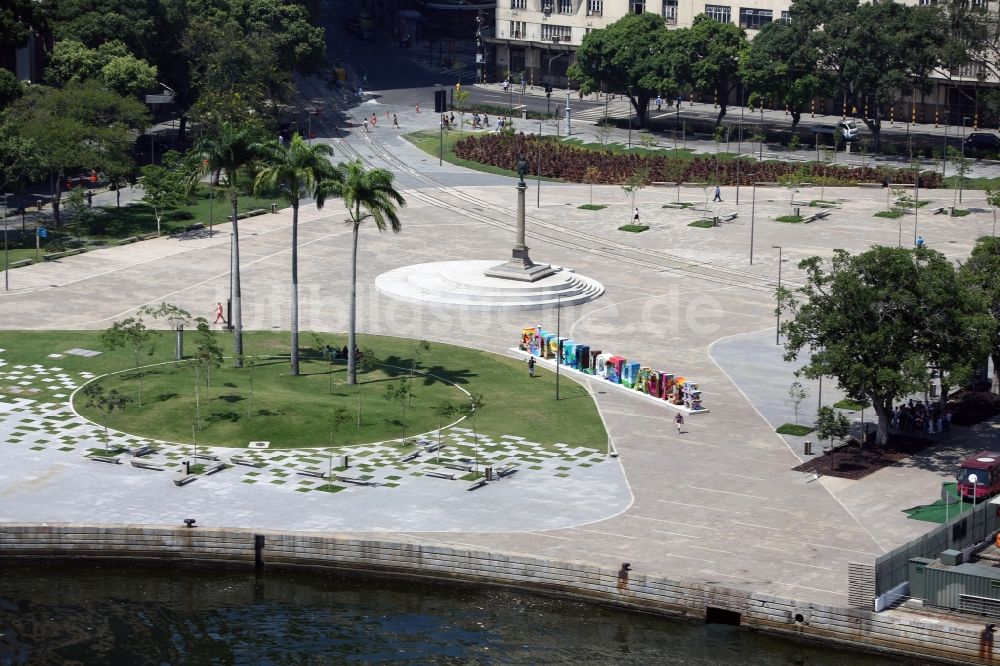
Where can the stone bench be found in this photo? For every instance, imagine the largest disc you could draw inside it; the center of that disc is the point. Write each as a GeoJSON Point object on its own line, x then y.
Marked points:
{"type": "Point", "coordinates": [145, 465]}
{"type": "Point", "coordinates": [246, 462]}
{"type": "Point", "coordinates": [442, 475]}
{"type": "Point", "coordinates": [506, 471]}
{"type": "Point", "coordinates": [22, 263]}
{"type": "Point", "coordinates": [185, 480]}
{"type": "Point", "coordinates": [209, 458]}
{"type": "Point", "coordinates": [819, 215]}
{"type": "Point", "coordinates": [114, 460]}
{"type": "Point", "coordinates": [412, 456]}
{"type": "Point", "coordinates": [431, 448]}
{"type": "Point", "coordinates": [218, 467]}
{"type": "Point", "coordinates": [357, 481]}
{"type": "Point", "coordinates": [142, 451]}
{"type": "Point", "coordinates": [464, 468]}
{"type": "Point", "coordinates": [478, 484]}
{"type": "Point", "coordinates": [311, 472]}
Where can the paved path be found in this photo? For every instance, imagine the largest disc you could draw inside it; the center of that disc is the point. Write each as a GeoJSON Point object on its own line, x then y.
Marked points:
{"type": "Point", "coordinates": [717, 502]}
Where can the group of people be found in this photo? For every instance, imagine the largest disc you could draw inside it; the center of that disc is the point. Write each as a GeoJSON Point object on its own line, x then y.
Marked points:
{"type": "Point", "coordinates": [920, 417]}
{"type": "Point", "coordinates": [373, 121]}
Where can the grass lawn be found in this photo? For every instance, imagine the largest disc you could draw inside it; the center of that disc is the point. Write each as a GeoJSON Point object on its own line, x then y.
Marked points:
{"type": "Point", "coordinates": [18, 253]}
{"type": "Point", "coordinates": [791, 219]}
{"type": "Point", "coordinates": [891, 214]}
{"type": "Point", "coordinates": [960, 212]}
{"type": "Point", "coordinates": [634, 228]}
{"type": "Point", "coordinates": [702, 224]}
{"type": "Point", "coordinates": [938, 511]}
{"type": "Point", "coordinates": [592, 207]}
{"type": "Point", "coordinates": [296, 412]}
{"type": "Point", "coordinates": [792, 429]}
{"type": "Point", "coordinates": [429, 142]}
{"type": "Point", "coordinates": [849, 405]}
{"type": "Point", "coordinates": [952, 182]}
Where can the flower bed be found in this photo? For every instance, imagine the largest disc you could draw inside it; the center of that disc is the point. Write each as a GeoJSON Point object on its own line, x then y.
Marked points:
{"type": "Point", "coordinates": [571, 163]}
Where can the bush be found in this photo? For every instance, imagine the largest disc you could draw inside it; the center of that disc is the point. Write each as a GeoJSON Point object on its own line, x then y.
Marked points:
{"type": "Point", "coordinates": [891, 214]}
{"type": "Point", "coordinates": [567, 162]}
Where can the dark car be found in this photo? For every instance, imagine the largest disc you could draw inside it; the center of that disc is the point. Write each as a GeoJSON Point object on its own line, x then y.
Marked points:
{"type": "Point", "coordinates": [982, 144]}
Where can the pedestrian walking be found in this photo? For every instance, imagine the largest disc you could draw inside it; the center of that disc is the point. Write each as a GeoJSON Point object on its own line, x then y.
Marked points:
{"type": "Point", "coordinates": [219, 313]}
{"type": "Point", "coordinates": [920, 241]}
{"type": "Point", "coordinates": [500, 124]}
{"type": "Point", "coordinates": [395, 121]}
{"type": "Point", "coordinates": [366, 124]}
{"type": "Point", "coordinates": [486, 121]}
{"type": "Point", "coordinates": [531, 367]}
{"type": "Point", "coordinates": [679, 420]}
{"type": "Point", "coordinates": [635, 216]}
{"type": "Point", "coordinates": [718, 194]}
{"type": "Point", "coordinates": [374, 120]}
{"type": "Point", "coordinates": [451, 119]}
{"type": "Point", "coordinates": [659, 102]}
{"type": "Point", "coordinates": [506, 84]}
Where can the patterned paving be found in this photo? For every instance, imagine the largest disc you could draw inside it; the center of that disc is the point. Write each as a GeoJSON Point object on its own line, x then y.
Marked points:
{"type": "Point", "coordinates": [35, 413]}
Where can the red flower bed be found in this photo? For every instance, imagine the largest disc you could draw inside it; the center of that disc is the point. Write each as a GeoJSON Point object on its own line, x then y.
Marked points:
{"type": "Point", "coordinates": [571, 162]}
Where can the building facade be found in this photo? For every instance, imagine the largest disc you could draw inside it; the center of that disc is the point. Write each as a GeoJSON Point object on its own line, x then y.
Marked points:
{"type": "Point", "coordinates": [537, 39]}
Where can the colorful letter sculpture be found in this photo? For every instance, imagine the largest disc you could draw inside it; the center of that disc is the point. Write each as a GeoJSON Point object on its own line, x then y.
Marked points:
{"type": "Point", "coordinates": [616, 369]}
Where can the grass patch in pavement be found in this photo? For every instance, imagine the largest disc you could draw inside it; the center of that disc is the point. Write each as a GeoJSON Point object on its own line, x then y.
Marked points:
{"type": "Point", "coordinates": [793, 429]}
{"type": "Point", "coordinates": [592, 207]}
{"type": "Point", "coordinates": [849, 405]}
{"type": "Point", "coordinates": [891, 214]}
{"type": "Point", "coordinates": [634, 228]}
{"type": "Point", "coordinates": [702, 224]}
{"type": "Point", "coordinates": [293, 412]}
{"type": "Point", "coordinates": [939, 511]}
{"type": "Point", "coordinates": [790, 219]}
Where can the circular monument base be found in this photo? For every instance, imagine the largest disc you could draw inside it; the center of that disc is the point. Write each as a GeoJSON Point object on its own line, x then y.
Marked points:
{"type": "Point", "coordinates": [462, 285]}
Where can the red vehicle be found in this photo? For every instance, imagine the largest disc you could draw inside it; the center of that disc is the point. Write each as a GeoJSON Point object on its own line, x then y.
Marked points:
{"type": "Point", "coordinates": [979, 477]}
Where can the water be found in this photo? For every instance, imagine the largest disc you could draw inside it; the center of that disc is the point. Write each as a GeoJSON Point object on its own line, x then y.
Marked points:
{"type": "Point", "coordinates": [65, 614]}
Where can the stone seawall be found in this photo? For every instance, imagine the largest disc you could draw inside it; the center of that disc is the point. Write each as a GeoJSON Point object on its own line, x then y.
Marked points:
{"type": "Point", "coordinates": [896, 632]}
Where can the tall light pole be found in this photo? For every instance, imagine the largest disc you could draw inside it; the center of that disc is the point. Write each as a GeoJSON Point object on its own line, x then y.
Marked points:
{"type": "Point", "coordinates": [538, 169]}
{"type": "Point", "coordinates": [6, 262]}
{"type": "Point", "coordinates": [753, 212]}
{"type": "Point", "coordinates": [961, 176]}
{"type": "Point", "coordinates": [777, 312]}
{"type": "Point", "coordinates": [558, 343]}
{"type": "Point", "coordinates": [568, 126]}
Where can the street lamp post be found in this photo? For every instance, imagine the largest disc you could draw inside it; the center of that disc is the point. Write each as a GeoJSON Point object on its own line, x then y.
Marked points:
{"type": "Point", "coordinates": [777, 312]}
{"type": "Point", "coordinates": [961, 176]}
{"type": "Point", "coordinates": [558, 338]}
{"type": "Point", "coordinates": [568, 126]}
{"type": "Point", "coordinates": [753, 212]}
{"type": "Point", "coordinates": [6, 262]}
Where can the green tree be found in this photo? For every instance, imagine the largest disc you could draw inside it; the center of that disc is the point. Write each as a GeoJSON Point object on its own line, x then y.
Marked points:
{"type": "Point", "coordinates": [877, 52]}
{"type": "Point", "coordinates": [107, 403]}
{"type": "Point", "coordinates": [633, 56]}
{"type": "Point", "coordinates": [130, 334]}
{"type": "Point", "coordinates": [712, 61]}
{"type": "Point", "coordinates": [366, 194]}
{"type": "Point", "coordinates": [860, 320]}
{"type": "Point", "coordinates": [10, 88]}
{"type": "Point", "coordinates": [400, 393]}
{"type": "Point", "coordinates": [128, 75]}
{"type": "Point", "coordinates": [796, 394]}
{"type": "Point", "coordinates": [637, 180]}
{"type": "Point", "coordinates": [164, 186]}
{"type": "Point", "coordinates": [79, 127]}
{"type": "Point", "coordinates": [298, 170]}
{"type": "Point", "coordinates": [71, 61]}
{"type": "Point", "coordinates": [76, 202]}
{"type": "Point", "coordinates": [781, 64]}
{"type": "Point", "coordinates": [207, 355]}
{"type": "Point", "coordinates": [982, 272]}
{"type": "Point", "coordinates": [228, 152]}
{"type": "Point", "coordinates": [962, 165]}
{"type": "Point", "coordinates": [461, 98]}
{"type": "Point", "coordinates": [831, 424]}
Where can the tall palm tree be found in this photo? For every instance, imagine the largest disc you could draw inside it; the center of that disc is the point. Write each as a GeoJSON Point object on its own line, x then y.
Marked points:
{"type": "Point", "coordinates": [366, 194]}
{"type": "Point", "coordinates": [297, 169]}
{"type": "Point", "coordinates": [226, 152]}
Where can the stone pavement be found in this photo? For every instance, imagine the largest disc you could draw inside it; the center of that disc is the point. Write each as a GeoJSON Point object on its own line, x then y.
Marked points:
{"type": "Point", "coordinates": [718, 502]}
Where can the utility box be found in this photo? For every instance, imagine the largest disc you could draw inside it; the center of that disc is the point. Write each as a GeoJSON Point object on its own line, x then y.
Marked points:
{"type": "Point", "coordinates": [951, 557]}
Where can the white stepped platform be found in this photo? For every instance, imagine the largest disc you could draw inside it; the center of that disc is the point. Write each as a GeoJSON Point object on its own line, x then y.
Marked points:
{"type": "Point", "coordinates": [462, 285]}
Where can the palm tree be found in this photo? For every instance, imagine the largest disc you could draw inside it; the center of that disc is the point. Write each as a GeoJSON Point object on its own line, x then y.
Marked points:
{"type": "Point", "coordinates": [226, 152]}
{"type": "Point", "coordinates": [365, 194]}
{"type": "Point", "coordinates": [298, 169]}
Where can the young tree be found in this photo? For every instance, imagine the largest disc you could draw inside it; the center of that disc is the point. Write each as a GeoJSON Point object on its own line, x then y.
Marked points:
{"type": "Point", "coordinates": [637, 180]}
{"type": "Point", "coordinates": [831, 424]}
{"type": "Point", "coordinates": [993, 199]}
{"type": "Point", "coordinates": [227, 152]}
{"type": "Point", "coordinates": [164, 186]}
{"type": "Point", "coordinates": [130, 334]}
{"type": "Point", "coordinates": [461, 98]}
{"type": "Point", "coordinates": [591, 176]}
{"type": "Point", "coordinates": [107, 403]}
{"type": "Point", "coordinates": [76, 203]}
{"type": "Point", "coordinates": [400, 393]}
{"type": "Point", "coordinates": [796, 394]}
{"type": "Point", "coordinates": [299, 171]}
{"type": "Point", "coordinates": [982, 273]}
{"type": "Point", "coordinates": [207, 355]}
{"type": "Point", "coordinates": [366, 194]}
{"type": "Point", "coordinates": [962, 165]}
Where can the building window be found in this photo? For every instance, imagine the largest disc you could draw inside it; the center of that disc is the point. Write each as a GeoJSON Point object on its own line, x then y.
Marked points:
{"type": "Point", "coordinates": [720, 13]}
{"type": "Point", "coordinates": [928, 2]}
{"type": "Point", "coordinates": [638, 6]}
{"type": "Point", "coordinates": [556, 33]}
{"type": "Point", "coordinates": [595, 7]}
{"type": "Point", "coordinates": [518, 4]}
{"type": "Point", "coordinates": [670, 12]}
{"type": "Point", "coordinates": [565, 6]}
{"type": "Point", "coordinates": [517, 30]}
{"type": "Point", "coordinates": [786, 17]}
{"type": "Point", "coordinates": [754, 19]}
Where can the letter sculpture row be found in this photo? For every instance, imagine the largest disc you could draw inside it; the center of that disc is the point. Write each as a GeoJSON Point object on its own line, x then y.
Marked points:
{"type": "Point", "coordinates": [616, 369]}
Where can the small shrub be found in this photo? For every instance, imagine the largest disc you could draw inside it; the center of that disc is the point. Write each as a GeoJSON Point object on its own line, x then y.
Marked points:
{"type": "Point", "coordinates": [591, 206]}
{"type": "Point", "coordinates": [634, 228]}
{"type": "Point", "coordinates": [792, 429]}
{"type": "Point", "coordinates": [793, 143]}
{"type": "Point", "coordinates": [891, 214]}
{"type": "Point", "coordinates": [702, 224]}
{"type": "Point", "coordinates": [790, 219]}
{"type": "Point", "coordinates": [849, 405]}
{"type": "Point", "coordinates": [960, 212]}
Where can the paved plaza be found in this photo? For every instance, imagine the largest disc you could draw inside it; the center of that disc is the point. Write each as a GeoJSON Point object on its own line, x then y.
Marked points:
{"type": "Point", "coordinates": [718, 502]}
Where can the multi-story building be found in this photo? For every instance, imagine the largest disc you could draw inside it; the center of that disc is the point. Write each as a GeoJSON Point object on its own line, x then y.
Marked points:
{"type": "Point", "coordinates": [538, 39]}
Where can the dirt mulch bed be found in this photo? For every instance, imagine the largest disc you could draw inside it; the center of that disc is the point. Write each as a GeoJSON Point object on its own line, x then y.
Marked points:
{"type": "Point", "coordinates": [851, 461]}
{"type": "Point", "coordinates": [972, 407]}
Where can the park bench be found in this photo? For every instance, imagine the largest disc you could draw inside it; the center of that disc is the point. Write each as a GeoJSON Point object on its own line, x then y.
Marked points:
{"type": "Point", "coordinates": [506, 471]}
{"type": "Point", "coordinates": [442, 475]}
{"type": "Point", "coordinates": [185, 480]}
{"type": "Point", "coordinates": [145, 465]}
{"type": "Point", "coordinates": [208, 458]}
{"type": "Point", "coordinates": [478, 484]}
{"type": "Point", "coordinates": [246, 462]}
{"type": "Point", "coordinates": [114, 460]}
{"type": "Point", "coordinates": [357, 481]}
{"type": "Point", "coordinates": [412, 456]}
{"type": "Point", "coordinates": [432, 448]}
{"type": "Point", "coordinates": [142, 451]}
{"type": "Point", "coordinates": [818, 215]}
{"type": "Point", "coordinates": [464, 468]}
{"type": "Point", "coordinates": [311, 472]}
{"type": "Point", "coordinates": [217, 467]}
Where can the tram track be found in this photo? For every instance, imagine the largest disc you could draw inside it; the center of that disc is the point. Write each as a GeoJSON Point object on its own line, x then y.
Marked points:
{"type": "Point", "coordinates": [445, 198]}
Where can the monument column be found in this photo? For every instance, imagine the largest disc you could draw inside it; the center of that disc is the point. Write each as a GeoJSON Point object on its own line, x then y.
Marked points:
{"type": "Point", "coordinates": [520, 267]}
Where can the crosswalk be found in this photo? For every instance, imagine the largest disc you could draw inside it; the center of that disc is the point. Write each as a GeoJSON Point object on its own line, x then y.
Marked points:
{"type": "Point", "coordinates": [615, 109]}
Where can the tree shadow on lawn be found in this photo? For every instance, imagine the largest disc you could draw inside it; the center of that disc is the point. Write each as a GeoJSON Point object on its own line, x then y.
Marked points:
{"type": "Point", "coordinates": [231, 398]}
{"type": "Point", "coordinates": [220, 417]}
{"type": "Point", "coordinates": [163, 397]}
{"type": "Point", "coordinates": [429, 375]}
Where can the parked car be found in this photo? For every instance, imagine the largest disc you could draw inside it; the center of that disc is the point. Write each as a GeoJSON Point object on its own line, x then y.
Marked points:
{"type": "Point", "coordinates": [982, 144]}
{"type": "Point", "coordinates": [848, 130]}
